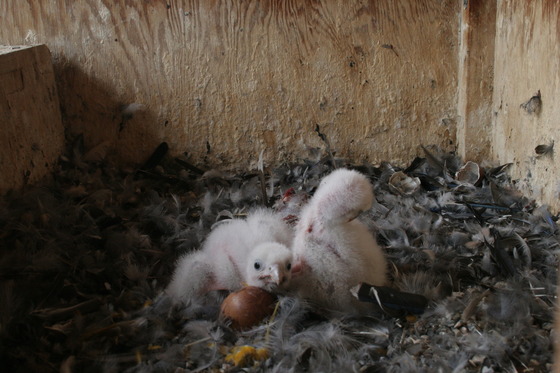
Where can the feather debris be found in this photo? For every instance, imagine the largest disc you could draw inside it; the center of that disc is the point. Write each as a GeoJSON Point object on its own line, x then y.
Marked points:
{"type": "Point", "coordinates": [544, 149]}
{"type": "Point", "coordinates": [108, 238]}
{"type": "Point", "coordinates": [534, 104]}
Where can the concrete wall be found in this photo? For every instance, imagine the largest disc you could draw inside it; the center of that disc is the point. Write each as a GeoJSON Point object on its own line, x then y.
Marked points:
{"type": "Point", "coordinates": [224, 80]}
{"type": "Point", "coordinates": [527, 59]}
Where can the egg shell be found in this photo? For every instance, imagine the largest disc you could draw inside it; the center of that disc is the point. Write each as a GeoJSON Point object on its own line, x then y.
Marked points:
{"type": "Point", "coordinates": [247, 307]}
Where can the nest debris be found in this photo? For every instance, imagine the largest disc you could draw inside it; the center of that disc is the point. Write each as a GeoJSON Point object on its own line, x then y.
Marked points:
{"type": "Point", "coordinates": [84, 258]}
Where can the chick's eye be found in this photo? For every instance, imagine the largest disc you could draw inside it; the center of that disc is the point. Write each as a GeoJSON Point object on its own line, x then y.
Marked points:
{"type": "Point", "coordinates": [289, 266]}
{"type": "Point", "coordinates": [257, 265]}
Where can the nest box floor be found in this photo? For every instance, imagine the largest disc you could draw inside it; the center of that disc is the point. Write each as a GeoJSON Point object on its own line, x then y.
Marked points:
{"type": "Point", "coordinates": [85, 256]}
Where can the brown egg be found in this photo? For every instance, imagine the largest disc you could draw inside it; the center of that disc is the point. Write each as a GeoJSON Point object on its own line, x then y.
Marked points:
{"type": "Point", "coordinates": [247, 307]}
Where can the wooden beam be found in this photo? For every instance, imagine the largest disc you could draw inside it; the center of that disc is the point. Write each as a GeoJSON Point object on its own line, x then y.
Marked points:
{"type": "Point", "coordinates": [476, 72]}
{"type": "Point", "coordinates": [32, 135]}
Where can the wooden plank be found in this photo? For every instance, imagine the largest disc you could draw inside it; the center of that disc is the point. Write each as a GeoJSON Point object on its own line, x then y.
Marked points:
{"type": "Point", "coordinates": [476, 78]}
{"type": "Point", "coordinates": [32, 132]}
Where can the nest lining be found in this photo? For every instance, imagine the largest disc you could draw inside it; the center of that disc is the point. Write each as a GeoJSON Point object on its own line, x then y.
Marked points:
{"type": "Point", "coordinates": [85, 257]}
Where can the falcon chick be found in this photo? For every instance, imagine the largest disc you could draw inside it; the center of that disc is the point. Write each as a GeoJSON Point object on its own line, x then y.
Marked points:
{"type": "Point", "coordinates": [333, 250]}
{"type": "Point", "coordinates": [252, 251]}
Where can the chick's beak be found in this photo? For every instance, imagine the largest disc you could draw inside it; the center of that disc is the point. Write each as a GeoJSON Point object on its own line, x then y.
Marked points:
{"type": "Point", "coordinates": [276, 276]}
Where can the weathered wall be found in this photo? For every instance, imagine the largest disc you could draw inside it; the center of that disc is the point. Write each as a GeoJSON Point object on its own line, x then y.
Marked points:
{"type": "Point", "coordinates": [527, 59]}
{"type": "Point", "coordinates": [31, 131]}
{"type": "Point", "coordinates": [223, 80]}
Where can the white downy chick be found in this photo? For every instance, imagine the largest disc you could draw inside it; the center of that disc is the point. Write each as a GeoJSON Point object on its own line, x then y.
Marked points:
{"type": "Point", "coordinates": [252, 251]}
{"type": "Point", "coordinates": [333, 250]}
{"type": "Point", "coordinates": [269, 266]}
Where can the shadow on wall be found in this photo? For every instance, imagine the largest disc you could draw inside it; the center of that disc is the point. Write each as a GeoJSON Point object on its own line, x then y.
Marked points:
{"type": "Point", "coordinates": [113, 129]}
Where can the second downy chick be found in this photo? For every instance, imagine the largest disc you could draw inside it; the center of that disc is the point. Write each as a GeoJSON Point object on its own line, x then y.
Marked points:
{"type": "Point", "coordinates": [252, 251]}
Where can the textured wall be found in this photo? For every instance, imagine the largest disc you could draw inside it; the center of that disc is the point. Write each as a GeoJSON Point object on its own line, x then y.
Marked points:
{"type": "Point", "coordinates": [223, 80]}
{"type": "Point", "coordinates": [527, 59]}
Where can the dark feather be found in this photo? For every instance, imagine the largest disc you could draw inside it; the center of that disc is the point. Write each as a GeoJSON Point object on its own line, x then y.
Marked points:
{"type": "Point", "coordinates": [391, 300]}
{"type": "Point", "coordinates": [544, 149]}
{"type": "Point", "coordinates": [500, 256]}
{"type": "Point", "coordinates": [156, 157]}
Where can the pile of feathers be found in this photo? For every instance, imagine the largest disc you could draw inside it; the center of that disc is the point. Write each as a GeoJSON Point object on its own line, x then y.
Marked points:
{"type": "Point", "coordinates": [85, 257]}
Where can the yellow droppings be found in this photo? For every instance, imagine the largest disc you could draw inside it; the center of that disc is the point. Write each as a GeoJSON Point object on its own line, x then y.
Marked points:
{"type": "Point", "coordinates": [411, 318]}
{"type": "Point", "coordinates": [261, 354]}
{"type": "Point", "coordinates": [246, 355]}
